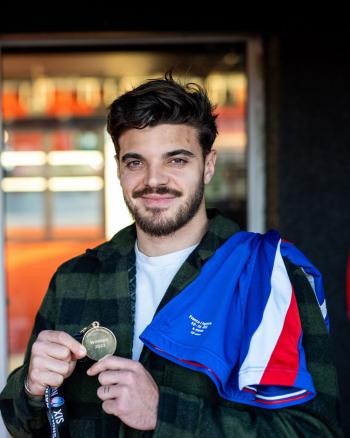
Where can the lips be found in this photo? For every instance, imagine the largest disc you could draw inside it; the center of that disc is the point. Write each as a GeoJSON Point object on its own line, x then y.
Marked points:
{"type": "Point", "coordinates": [157, 200]}
{"type": "Point", "coordinates": [155, 197]}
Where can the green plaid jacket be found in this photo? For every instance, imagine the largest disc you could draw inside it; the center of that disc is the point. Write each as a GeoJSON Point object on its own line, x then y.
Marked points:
{"type": "Point", "coordinates": [98, 286]}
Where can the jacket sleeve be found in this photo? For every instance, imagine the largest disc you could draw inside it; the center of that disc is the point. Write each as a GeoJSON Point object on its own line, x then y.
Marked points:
{"type": "Point", "coordinates": [184, 415]}
{"type": "Point", "coordinates": [24, 417]}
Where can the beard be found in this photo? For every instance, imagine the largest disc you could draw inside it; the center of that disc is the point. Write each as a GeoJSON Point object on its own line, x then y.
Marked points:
{"type": "Point", "coordinates": [155, 224]}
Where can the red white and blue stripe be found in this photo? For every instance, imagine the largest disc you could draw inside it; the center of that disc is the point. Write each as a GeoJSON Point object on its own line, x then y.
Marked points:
{"type": "Point", "coordinates": [238, 322]}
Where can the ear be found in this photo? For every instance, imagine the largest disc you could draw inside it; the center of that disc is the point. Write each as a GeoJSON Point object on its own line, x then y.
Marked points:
{"type": "Point", "coordinates": [209, 166]}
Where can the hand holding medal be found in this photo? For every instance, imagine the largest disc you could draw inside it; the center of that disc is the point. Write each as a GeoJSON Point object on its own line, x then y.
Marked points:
{"type": "Point", "coordinates": [127, 389]}
{"type": "Point", "coordinates": [98, 342]}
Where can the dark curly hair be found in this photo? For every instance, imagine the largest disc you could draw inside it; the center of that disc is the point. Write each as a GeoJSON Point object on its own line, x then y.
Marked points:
{"type": "Point", "coordinates": [164, 100]}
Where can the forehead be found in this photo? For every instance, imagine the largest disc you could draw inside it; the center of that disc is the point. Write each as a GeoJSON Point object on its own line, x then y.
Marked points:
{"type": "Point", "coordinates": [159, 139]}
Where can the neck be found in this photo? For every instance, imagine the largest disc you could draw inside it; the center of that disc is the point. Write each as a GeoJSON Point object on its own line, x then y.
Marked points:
{"type": "Point", "coordinates": [188, 235]}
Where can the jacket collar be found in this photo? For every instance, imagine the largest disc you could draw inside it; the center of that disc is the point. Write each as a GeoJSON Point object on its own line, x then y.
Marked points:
{"type": "Point", "coordinates": [220, 228]}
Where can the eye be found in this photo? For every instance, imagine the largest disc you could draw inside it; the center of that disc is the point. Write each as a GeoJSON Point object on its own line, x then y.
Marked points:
{"type": "Point", "coordinates": [134, 164]}
{"type": "Point", "coordinates": [178, 161]}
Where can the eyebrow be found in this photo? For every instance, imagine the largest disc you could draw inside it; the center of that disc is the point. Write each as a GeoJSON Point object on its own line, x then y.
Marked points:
{"type": "Point", "coordinates": [179, 152]}
{"type": "Point", "coordinates": [135, 156]}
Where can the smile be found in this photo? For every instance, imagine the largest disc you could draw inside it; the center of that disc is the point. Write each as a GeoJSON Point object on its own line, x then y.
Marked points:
{"type": "Point", "coordinates": [157, 200]}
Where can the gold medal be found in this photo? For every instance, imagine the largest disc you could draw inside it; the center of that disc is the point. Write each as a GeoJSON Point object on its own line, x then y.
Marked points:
{"type": "Point", "coordinates": [98, 341]}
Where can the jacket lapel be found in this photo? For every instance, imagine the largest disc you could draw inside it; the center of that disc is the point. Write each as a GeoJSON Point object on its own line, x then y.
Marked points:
{"type": "Point", "coordinates": [114, 294]}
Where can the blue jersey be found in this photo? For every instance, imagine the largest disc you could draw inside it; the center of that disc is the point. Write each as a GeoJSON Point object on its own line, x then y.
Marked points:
{"type": "Point", "coordinates": [238, 322]}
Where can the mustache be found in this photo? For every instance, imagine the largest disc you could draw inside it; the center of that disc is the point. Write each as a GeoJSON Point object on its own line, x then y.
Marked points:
{"type": "Point", "coordinates": [157, 190]}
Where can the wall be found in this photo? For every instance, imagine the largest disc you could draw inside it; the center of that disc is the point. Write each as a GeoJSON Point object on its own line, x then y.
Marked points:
{"type": "Point", "coordinates": [314, 169]}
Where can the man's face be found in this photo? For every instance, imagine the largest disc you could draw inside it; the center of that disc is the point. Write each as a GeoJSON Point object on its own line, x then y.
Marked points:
{"type": "Point", "coordinates": [162, 173]}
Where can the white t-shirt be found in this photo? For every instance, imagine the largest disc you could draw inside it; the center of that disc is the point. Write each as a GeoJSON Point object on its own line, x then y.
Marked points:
{"type": "Point", "coordinates": [153, 277]}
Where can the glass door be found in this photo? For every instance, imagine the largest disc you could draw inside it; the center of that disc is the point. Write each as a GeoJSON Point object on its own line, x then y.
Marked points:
{"type": "Point", "coordinates": [59, 176]}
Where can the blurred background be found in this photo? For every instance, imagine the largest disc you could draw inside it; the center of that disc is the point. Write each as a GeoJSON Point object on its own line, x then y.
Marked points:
{"type": "Point", "coordinates": [282, 92]}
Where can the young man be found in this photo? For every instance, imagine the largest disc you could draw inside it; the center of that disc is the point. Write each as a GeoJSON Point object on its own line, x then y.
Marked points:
{"type": "Point", "coordinates": [136, 285]}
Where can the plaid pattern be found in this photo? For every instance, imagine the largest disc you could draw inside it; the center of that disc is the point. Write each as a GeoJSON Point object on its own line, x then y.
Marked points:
{"type": "Point", "coordinates": [99, 285]}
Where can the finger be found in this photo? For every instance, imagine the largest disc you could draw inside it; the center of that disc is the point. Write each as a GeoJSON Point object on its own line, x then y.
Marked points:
{"type": "Point", "coordinates": [108, 377]}
{"type": "Point", "coordinates": [35, 389]}
{"type": "Point", "coordinates": [72, 365]}
{"type": "Point", "coordinates": [110, 407]}
{"type": "Point", "coordinates": [109, 392]}
{"type": "Point", "coordinates": [113, 377]}
{"type": "Point", "coordinates": [46, 378]}
{"type": "Point", "coordinates": [113, 363]}
{"type": "Point", "coordinates": [42, 364]}
{"type": "Point", "coordinates": [63, 338]}
{"type": "Point", "coordinates": [51, 349]}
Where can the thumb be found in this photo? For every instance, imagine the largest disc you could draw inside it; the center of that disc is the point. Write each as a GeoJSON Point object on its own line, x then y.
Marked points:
{"type": "Point", "coordinates": [79, 353]}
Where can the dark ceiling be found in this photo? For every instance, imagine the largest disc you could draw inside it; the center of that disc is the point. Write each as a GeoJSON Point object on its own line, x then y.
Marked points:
{"type": "Point", "coordinates": [172, 16]}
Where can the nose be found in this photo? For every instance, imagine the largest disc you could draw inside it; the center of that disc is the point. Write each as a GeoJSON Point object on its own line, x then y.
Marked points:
{"type": "Point", "coordinates": [155, 176]}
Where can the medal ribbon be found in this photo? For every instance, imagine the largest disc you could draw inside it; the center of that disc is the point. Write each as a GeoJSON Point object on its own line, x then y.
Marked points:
{"type": "Point", "coordinates": [56, 413]}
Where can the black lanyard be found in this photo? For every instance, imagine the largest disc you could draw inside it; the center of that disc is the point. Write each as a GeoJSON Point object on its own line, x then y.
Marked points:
{"type": "Point", "coordinates": [56, 413]}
